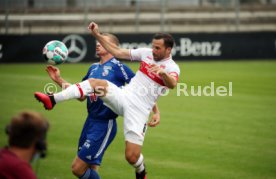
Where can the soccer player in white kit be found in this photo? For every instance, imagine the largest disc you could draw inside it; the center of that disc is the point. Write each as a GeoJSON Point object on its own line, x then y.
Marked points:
{"type": "Point", "coordinates": [156, 74]}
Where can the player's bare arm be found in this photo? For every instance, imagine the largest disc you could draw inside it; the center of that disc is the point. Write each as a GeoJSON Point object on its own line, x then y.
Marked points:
{"type": "Point", "coordinates": [109, 46]}
{"type": "Point", "coordinates": [169, 80]}
{"type": "Point", "coordinates": [155, 119]}
{"type": "Point", "coordinates": [54, 74]}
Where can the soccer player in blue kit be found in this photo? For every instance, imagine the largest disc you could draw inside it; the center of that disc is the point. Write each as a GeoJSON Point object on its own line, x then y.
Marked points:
{"type": "Point", "coordinates": [100, 126]}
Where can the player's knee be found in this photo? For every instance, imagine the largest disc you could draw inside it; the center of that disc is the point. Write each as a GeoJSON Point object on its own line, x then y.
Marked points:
{"type": "Point", "coordinates": [74, 170]}
{"type": "Point", "coordinates": [93, 82]}
{"type": "Point", "coordinates": [98, 85]}
{"type": "Point", "coordinates": [131, 157]}
{"type": "Point", "coordinates": [97, 82]}
{"type": "Point", "coordinates": [77, 170]}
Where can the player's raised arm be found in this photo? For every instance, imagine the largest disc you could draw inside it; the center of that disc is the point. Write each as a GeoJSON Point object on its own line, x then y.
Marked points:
{"type": "Point", "coordinates": [109, 46]}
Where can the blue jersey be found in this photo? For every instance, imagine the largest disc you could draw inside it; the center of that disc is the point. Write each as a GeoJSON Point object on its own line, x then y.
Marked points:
{"type": "Point", "coordinates": [113, 71]}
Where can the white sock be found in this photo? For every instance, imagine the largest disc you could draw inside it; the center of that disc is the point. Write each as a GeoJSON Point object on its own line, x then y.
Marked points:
{"type": "Point", "coordinates": [139, 165]}
{"type": "Point", "coordinates": [74, 91]}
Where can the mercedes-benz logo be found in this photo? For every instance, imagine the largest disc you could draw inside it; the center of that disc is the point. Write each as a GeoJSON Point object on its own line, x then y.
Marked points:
{"type": "Point", "coordinates": [76, 46]}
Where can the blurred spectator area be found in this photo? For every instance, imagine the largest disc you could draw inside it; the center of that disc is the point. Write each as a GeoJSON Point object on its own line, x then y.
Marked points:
{"type": "Point", "coordinates": [136, 16]}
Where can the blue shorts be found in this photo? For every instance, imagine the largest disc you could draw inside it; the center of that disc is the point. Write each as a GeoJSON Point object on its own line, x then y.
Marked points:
{"type": "Point", "coordinates": [95, 137]}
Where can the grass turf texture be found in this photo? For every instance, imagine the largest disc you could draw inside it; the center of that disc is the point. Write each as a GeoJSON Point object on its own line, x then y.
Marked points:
{"type": "Point", "coordinates": [198, 137]}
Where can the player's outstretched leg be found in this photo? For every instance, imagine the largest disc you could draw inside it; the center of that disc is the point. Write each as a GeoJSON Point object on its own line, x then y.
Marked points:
{"type": "Point", "coordinates": [47, 100]}
{"type": "Point", "coordinates": [75, 91]}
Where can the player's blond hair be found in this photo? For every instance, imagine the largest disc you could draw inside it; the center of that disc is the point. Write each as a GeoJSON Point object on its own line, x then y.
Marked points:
{"type": "Point", "coordinates": [113, 38]}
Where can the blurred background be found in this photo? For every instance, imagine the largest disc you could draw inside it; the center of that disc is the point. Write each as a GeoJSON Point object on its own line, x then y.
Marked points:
{"type": "Point", "coordinates": [203, 29]}
{"type": "Point", "coordinates": [137, 16]}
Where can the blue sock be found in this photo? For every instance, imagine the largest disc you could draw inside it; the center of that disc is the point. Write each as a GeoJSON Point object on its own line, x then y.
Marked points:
{"type": "Point", "coordinates": [90, 174]}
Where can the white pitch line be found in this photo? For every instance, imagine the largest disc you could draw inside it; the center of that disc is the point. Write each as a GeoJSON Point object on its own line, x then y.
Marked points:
{"type": "Point", "coordinates": [23, 76]}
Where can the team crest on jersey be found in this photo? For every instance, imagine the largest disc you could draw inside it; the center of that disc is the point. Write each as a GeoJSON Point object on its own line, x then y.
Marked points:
{"type": "Point", "coordinates": [106, 70]}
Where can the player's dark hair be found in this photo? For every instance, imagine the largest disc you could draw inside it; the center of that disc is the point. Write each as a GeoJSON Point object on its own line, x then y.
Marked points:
{"type": "Point", "coordinates": [113, 38]}
{"type": "Point", "coordinates": [168, 39]}
{"type": "Point", "coordinates": [26, 128]}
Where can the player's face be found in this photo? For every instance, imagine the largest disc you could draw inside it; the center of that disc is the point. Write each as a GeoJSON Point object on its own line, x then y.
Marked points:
{"type": "Point", "coordinates": [159, 50]}
{"type": "Point", "coordinates": [100, 51]}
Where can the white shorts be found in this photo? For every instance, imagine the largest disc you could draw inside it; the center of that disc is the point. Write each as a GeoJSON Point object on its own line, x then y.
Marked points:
{"type": "Point", "coordinates": [127, 104]}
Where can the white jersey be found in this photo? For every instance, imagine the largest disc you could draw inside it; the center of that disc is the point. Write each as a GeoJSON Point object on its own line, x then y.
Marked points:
{"type": "Point", "coordinates": [135, 101]}
{"type": "Point", "coordinates": [149, 86]}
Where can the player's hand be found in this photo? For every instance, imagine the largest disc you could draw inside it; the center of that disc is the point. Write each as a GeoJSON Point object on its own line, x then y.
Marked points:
{"type": "Point", "coordinates": [155, 120]}
{"type": "Point", "coordinates": [94, 28]}
{"type": "Point", "coordinates": [53, 72]}
{"type": "Point", "coordinates": [155, 69]}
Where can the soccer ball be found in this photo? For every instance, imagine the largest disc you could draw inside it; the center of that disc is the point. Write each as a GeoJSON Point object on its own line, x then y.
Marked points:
{"type": "Point", "coordinates": [55, 52]}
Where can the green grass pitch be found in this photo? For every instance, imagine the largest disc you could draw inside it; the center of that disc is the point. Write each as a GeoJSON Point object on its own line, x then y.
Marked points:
{"type": "Point", "coordinates": [198, 137]}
